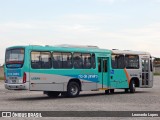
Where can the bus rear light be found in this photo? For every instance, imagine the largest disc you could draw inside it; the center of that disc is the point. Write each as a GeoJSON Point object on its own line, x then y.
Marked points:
{"type": "Point", "coordinates": [24, 77]}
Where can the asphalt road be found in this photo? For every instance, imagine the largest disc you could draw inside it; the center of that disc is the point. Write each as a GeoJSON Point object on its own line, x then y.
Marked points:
{"type": "Point", "coordinates": [145, 99]}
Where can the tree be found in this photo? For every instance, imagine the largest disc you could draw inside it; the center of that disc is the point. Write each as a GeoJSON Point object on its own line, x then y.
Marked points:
{"type": "Point", "coordinates": [156, 61]}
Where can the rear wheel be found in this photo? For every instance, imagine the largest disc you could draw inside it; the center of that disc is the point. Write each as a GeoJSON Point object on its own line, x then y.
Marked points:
{"type": "Point", "coordinates": [126, 90]}
{"type": "Point", "coordinates": [73, 89]}
{"type": "Point", "coordinates": [132, 87]}
{"type": "Point", "coordinates": [52, 94]}
{"type": "Point", "coordinates": [106, 91]}
{"type": "Point", "coordinates": [111, 91]}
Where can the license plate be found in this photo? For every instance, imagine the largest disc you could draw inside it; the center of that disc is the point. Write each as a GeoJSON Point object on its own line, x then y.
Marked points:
{"type": "Point", "coordinates": [14, 81]}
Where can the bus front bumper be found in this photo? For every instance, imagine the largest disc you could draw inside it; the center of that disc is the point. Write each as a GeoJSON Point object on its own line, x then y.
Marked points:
{"type": "Point", "coordinates": [15, 86]}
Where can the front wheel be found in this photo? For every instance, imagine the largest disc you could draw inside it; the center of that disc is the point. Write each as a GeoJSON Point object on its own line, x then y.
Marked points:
{"type": "Point", "coordinates": [73, 89]}
{"type": "Point", "coordinates": [132, 87]}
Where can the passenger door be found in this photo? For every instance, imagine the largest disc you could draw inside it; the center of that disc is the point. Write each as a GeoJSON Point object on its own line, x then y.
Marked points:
{"type": "Point", "coordinates": [147, 72]}
{"type": "Point", "coordinates": [103, 72]}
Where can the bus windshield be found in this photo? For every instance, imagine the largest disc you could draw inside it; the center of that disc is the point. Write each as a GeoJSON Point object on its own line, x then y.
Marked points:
{"type": "Point", "coordinates": [14, 58]}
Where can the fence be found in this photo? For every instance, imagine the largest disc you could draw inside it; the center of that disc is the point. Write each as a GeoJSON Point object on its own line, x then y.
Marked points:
{"type": "Point", "coordinates": [156, 69]}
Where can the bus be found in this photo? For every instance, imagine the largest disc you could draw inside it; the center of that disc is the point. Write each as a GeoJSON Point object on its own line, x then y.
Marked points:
{"type": "Point", "coordinates": [67, 70]}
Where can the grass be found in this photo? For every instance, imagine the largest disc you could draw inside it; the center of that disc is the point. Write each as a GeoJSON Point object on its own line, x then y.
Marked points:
{"type": "Point", "coordinates": [1, 78]}
{"type": "Point", "coordinates": [156, 73]}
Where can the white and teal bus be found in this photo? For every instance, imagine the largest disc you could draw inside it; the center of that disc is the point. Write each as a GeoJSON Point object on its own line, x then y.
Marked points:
{"type": "Point", "coordinates": [67, 70]}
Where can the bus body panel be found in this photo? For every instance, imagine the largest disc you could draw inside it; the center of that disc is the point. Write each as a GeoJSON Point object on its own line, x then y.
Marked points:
{"type": "Point", "coordinates": [54, 82]}
{"type": "Point", "coordinates": [118, 79]}
{"type": "Point", "coordinates": [88, 78]}
{"type": "Point", "coordinates": [144, 74]}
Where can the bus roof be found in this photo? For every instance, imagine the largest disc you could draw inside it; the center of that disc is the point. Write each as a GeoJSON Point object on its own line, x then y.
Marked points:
{"type": "Point", "coordinates": [130, 52]}
{"type": "Point", "coordinates": [63, 48]}
{"type": "Point", "coordinates": [79, 48]}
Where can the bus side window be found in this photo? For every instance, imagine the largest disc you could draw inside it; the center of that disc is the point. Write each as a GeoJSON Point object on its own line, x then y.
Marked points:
{"type": "Point", "coordinates": [67, 60]}
{"type": "Point", "coordinates": [41, 60]}
{"type": "Point", "coordinates": [121, 63]}
{"type": "Point", "coordinates": [35, 60]}
{"type": "Point", "coordinates": [118, 62]}
{"type": "Point", "coordinates": [114, 62]}
{"type": "Point", "coordinates": [77, 60]}
{"type": "Point", "coordinates": [105, 66]}
{"type": "Point", "coordinates": [82, 60]}
{"type": "Point", "coordinates": [57, 60]}
{"type": "Point", "coordinates": [46, 61]}
{"type": "Point", "coordinates": [99, 65]}
{"type": "Point", "coordinates": [132, 61]}
{"type": "Point", "coordinates": [86, 58]}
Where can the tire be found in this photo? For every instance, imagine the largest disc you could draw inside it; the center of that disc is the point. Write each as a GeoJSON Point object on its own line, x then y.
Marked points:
{"type": "Point", "coordinates": [64, 94]}
{"type": "Point", "coordinates": [126, 90]}
{"type": "Point", "coordinates": [111, 91]}
{"type": "Point", "coordinates": [132, 87]}
{"type": "Point", "coordinates": [73, 89]}
{"type": "Point", "coordinates": [106, 91]}
{"type": "Point", "coordinates": [52, 94]}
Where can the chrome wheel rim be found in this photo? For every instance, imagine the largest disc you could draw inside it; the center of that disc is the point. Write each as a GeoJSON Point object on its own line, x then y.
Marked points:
{"type": "Point", "coordinates": [74, 90]}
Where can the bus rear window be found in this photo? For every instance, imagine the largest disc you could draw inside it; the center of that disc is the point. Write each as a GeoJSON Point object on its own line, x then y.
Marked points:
{"type": "Point", "coordinates": [14, 58]}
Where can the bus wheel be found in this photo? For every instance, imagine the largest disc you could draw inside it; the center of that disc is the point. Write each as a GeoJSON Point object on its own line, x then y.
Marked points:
{"type": "Point", "coordinates": [64, 94]}
{"type": "Point", "coordinates": [111, 91]}
{"type": "Point", "coordinates": [52, 94]}
{"type": "Point", "coordinates": [73, 89]}
{"type": "Point", "coordinates": [132, 87]}
{"type": "Point", "coordinates": [106, 91]}
{"type": "Point", "coordinates": [126, 90]}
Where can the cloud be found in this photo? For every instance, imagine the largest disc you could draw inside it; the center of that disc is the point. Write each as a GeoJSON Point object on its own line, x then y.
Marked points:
{"type": "Point", "coordinates": [145, 38]}
{"type": "Point", "coordinates": [149, 32]}
{"type": "Point", "coordinates": [82, 22]}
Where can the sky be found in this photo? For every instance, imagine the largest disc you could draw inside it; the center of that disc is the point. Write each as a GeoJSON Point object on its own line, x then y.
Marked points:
{"type": "Point", "coordinates": [109, 24]}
